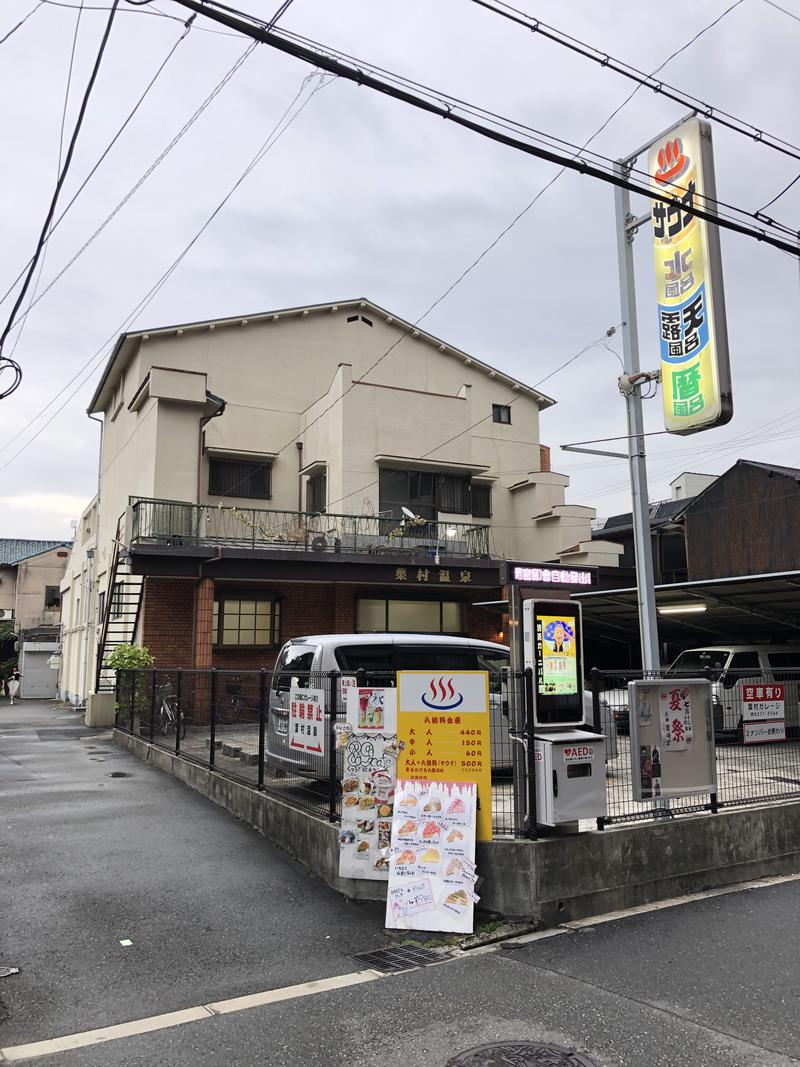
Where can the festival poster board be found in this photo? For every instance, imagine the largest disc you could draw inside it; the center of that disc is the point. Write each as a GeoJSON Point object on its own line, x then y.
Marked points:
{"type": "Point", "coordinates": [672, 738]}
{"type": "Point", "coordinates": [432, 857]}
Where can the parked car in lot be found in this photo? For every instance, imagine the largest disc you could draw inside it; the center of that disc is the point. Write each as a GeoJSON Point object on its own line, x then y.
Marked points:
{"type": "Point", "coordinates": [731, 667]}
{"type": "Point", "coordinates": [305, 662]}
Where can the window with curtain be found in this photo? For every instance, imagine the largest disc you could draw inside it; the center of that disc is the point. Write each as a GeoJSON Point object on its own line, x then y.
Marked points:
{"type": "Point", "coordinates": [453, 493]}
{"type": "Point", "coordinates": [317, 493]}
{"type": "Point", "coordinates": [409, 616]}
{"type": "Point", "coordinates": [481, 497]}
{"type": "Point", "coordinates": [239, 478]}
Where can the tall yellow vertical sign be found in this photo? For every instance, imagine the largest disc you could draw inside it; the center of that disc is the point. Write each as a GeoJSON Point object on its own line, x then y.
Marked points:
{"type": "Point", "coordinates": [695, 368]}
{"type": "Point", "coordinates": [443, 721]}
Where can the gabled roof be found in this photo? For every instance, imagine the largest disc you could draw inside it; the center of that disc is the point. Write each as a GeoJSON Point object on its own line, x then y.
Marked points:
{"type": "Point", "coordinates": [361, 302]}
{"type": "Point", "coordinates": [14, 550]}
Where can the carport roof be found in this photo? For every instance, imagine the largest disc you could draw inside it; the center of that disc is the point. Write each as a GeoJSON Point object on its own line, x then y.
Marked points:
{"type": "Point", "coordinates": [743, 610]}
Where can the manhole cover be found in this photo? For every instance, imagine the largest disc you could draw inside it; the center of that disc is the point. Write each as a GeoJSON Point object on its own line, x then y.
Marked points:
{"type": "Point", "coordinates": [520, 1054]}
{"type": "Point", "coordinates": [119, 774]}
{"type": "Point", "coordinates": [6, 971]}
{"type": "Point", "coordinates": [402, 958]}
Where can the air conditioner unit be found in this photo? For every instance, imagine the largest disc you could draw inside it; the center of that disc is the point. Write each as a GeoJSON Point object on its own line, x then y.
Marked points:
{"type": "Point", "coordinates": [6, 614]}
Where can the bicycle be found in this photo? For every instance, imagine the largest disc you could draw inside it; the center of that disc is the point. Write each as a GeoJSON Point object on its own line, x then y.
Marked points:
{"type": "Point", "coordinates": [232, 709]}
{"type": "Point", "coordinates": [169, 713]}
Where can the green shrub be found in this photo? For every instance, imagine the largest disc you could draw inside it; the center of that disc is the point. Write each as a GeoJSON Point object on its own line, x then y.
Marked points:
{"type": "Point", "coordinates": [125, 657]}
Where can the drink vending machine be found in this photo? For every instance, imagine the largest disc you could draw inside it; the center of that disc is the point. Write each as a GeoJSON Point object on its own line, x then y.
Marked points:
{"type": "Point", "coordinates": [568, 760]}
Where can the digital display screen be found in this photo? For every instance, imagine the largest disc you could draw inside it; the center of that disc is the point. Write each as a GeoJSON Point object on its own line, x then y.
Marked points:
{"type": "Point", "coordinates": [552, 646]}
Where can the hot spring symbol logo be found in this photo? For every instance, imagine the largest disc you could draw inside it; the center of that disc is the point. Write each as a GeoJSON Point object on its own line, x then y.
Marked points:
{"type": "Point", "coordinates": [443, 696]}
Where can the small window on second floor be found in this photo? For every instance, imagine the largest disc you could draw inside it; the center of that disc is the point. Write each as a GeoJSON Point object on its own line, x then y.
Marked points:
{"type": "Point", "coordinates": [52, 597]}
{"type": "Point", "coordinates": [316, 493]}
{"type": "Point", "coordinates": [501, 413]}
{"type": "Point", "coordinates": [239, 478]}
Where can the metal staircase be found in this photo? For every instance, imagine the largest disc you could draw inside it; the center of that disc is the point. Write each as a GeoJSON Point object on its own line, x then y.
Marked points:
{"type": "Point", "coordinates": [121, 613]}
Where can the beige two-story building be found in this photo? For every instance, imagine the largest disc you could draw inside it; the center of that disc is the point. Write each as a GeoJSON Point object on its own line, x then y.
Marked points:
{"type": "Point", "coordinates": [321, 468]}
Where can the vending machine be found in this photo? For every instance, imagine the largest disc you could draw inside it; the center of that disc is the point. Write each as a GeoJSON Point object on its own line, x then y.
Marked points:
{"type": "Point", "coordinates": [568, 764]}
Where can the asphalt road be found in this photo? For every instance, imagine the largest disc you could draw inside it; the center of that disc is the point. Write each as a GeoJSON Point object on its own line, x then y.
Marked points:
{"type": "Point", "coordinates": [215, 911]}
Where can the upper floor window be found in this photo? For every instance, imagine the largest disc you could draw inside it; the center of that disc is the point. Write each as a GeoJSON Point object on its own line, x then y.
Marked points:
{"type": "Point", "coordinates": [426, 493]}
{"type": "Point", "coordinates": [240, 478]}
{"type": "Point", "coordinates": [501, 413]}
{"type": "Point", "coordinates": [317, 493]}
{"type": "Point", "coordinates": [52, 597]}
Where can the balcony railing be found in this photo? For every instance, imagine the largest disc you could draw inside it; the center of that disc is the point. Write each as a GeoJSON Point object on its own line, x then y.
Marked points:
{"type": "Point", "coordinates": [165, 522]}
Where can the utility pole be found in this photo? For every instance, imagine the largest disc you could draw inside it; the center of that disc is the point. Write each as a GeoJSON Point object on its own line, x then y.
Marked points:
{"type": "Point", "coordinates": [627, 225]}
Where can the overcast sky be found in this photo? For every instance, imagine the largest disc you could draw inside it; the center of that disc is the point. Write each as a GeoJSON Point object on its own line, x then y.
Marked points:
{"type": "Point", "coordinates": [364, 196]}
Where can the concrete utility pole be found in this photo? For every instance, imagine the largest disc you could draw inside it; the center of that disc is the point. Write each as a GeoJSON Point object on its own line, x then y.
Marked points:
{"type": "Point", "coordinates": [626, 230]}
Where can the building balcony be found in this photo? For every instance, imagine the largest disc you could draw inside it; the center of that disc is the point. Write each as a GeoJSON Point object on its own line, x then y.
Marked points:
{"type": "Point", "coordinates": [174, 525]}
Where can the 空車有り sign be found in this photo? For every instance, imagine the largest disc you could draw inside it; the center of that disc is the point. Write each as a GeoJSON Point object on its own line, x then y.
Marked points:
{"type": "Point", "coordinates": [763, 713]}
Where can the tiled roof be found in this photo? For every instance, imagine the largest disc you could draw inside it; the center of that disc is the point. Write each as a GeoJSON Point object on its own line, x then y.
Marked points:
{"type": "Point", "coordinates": [15, 549]}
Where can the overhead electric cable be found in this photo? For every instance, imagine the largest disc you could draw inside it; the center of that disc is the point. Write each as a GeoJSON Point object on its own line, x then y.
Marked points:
{"type": "Point", "coordinates": [322, 58]}
{"type": "Point", "coordinates": [156, 163]}
{"type": "Point", "coordinates": [281, 126]}
{"type": "Point", "coordinates": [54, 201]}
{"type": "Point", "coordinates": [603, 59]}
{"type": "Point", "coordinates": [21, 22]}
{"type": "Point", "coordinates": [21, 330]}
{"type": "Point", "coordinates": [107, 149]}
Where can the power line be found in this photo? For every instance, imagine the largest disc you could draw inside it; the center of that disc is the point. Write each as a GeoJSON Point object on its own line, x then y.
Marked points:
{"type": "Point", "coordinates": [278, 130]}
{"type": "Point", "coordinates": [322, 57]}
{"type": "Point", "coordinates": [153, 166]}
{"type": "Point", "coordinates": [58, 170]}
{"type": "Point", "coordinates": [502, 234]}
{"type": "Point", "coordinates": [107, 149]}
{"type": "Point", "coordinates": [54, 201]}
{"type": "Point", "coordinates": [603, 59]}
{"type": "Point", "coordinates": [156, 12]}
{"type": "Point", "coordinates": [21, 22]}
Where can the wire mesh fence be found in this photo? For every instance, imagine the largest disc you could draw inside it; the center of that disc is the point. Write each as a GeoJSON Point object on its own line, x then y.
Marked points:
{"type": "Point", "coordinates": [241, 724]}
{"type": "Point", "coordinates": [757, 757]}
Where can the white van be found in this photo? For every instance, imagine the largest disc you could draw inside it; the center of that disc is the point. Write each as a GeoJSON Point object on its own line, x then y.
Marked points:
{"type": "Point", "coordinates": [304, 661]}
{"type": "Point", "coordinates": [734, 666]}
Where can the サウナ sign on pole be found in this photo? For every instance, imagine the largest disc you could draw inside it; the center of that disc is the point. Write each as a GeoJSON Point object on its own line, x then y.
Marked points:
{"type": "Point", "coordinates": [695, 367]}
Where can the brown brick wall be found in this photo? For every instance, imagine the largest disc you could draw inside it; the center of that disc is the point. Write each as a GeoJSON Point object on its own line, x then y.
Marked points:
{"type": "Point", "coordinates": [167, 614]}
{"type": "Point", "coordinates": [169, 607]}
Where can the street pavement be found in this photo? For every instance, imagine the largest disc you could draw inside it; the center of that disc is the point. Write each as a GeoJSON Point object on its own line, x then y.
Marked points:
{"type": "Point", "coordinates": [215, 911]}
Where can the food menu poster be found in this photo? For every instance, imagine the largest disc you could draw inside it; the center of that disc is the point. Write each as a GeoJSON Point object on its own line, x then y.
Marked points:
{"type": "Point", "coordinates": [365, 833]}
{"type": "Point", "coordinates": [432, 857]}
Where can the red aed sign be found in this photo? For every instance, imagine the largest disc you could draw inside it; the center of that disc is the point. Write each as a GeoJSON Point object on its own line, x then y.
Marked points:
{"type": "Point", "coordinates": [578, 753]}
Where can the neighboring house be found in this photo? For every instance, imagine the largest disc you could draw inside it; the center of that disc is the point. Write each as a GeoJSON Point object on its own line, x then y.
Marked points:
{"type": "Point", "coordinates": [742, 522]}
{"type": "Point", "coordinates": [30, 599]}
{"type": "Point", "coordinates": [726, 558]}
{"type": "Point", "coordinates": [82, 610]}
{"type": "Point", "coordinates": [323, 468]}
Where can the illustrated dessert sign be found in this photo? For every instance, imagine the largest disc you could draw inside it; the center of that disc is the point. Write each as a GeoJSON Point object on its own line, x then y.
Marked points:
{"type": "Point", "coordinates": [432, 856]}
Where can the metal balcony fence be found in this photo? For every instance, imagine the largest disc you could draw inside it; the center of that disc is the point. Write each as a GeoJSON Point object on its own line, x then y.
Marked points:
{"type": "Point", "coordinates": [235, 724]}
{"type": "Point", "coordinates": [170, 523]}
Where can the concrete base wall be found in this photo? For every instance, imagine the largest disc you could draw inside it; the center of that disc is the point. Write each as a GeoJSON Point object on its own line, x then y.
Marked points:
{"type": "Point", "coordinates": [548, 881]}
{"type": "Point", "coordinates": [100, 709]}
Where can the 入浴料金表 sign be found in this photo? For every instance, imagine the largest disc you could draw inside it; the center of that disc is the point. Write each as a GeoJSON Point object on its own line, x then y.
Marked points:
{"type": "Point", "coordinates": [443, 728]}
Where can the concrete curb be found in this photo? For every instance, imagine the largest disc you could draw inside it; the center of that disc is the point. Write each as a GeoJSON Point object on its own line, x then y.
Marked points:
{"type": "Point", "coordinates": [550, 881]}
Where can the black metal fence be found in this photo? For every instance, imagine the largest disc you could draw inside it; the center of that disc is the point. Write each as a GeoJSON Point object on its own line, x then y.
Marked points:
{"type": "Point", "coordinates": [747, 772]}
{"type": "Point", "coordinates": [238, 724]}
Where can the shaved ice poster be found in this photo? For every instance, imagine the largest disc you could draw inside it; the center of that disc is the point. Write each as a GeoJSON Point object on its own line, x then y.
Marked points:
{"type": "Point", "coordinates": [432, 857]}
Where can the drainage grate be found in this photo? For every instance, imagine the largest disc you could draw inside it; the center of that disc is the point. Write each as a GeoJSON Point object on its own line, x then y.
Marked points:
{"type": "Point", "coordinates": [116, 755]}
{"type": "Point", "coordinates": [520, 1054]}
{"type": "Point", "coordinates": [402, 958]}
